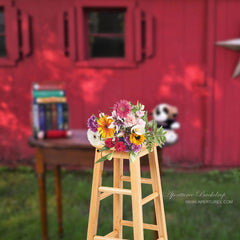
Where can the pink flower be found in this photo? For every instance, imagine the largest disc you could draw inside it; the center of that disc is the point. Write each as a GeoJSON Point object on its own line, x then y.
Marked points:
{"type": "Point", "coordinates": [130, 120]}
{"type": "Point", "coordinates": [140, 113]}
{"type": "Point", "coordinates": [141, 122]}
{"type": "Point", "coordinates": [122, 108]}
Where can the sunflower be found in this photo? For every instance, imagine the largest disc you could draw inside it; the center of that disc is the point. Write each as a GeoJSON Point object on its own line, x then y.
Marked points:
{"type": "Point", "coordinates": [137, 139]}
{"type": "Point", "coordinates": [103, 129]}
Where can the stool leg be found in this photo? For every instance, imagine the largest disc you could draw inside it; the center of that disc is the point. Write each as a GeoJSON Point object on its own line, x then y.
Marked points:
{"type": "Point", "coordinates": [136, 187]}
{"type": "Point", "coordinates": [95, 197]}
{"type": "Point", "coordinates": [117, 198]}
{"type": "Point", "coordinates": [158, 202]}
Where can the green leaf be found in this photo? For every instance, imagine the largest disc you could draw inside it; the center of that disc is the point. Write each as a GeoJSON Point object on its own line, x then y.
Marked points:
{"type": "Point", "coordinates": [109, 156]}
{"type": "Point", "coordinates": [104, 148]}
{"type": "Point", "coordinates": [145, 118]}
{"type": "Point", "coordinates": [106, 157]}
{"type": "Point", "coordinates": [132, 156]}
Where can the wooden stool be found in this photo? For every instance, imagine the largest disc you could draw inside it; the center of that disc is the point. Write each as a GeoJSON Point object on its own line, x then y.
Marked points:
{"type": "Point", "coordinates": [100, 192]}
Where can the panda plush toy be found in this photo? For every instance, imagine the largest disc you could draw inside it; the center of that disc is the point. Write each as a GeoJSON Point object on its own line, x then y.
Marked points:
{"type": "Point", "coordinates": [165, 115]}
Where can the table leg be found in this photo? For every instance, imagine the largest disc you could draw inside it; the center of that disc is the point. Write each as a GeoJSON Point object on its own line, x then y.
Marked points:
{"type": "Point", "coordinates": [40, 169]}
{"type": "Point", "coordinates": [57, 173]}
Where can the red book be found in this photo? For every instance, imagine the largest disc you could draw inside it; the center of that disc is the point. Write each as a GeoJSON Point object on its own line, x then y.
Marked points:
{"type": "Point", "coordinates": [54, 116]}
{"type": "Point", "coordinates": [54, 134]}
{"type": "Point", "coordinates": [57, 134]}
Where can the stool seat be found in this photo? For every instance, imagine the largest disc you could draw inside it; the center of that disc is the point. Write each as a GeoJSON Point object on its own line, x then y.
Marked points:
{"type": "Point", "coordinates": [100, 192]}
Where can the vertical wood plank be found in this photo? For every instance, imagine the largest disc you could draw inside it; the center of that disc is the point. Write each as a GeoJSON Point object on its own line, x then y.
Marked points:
{"type": "Point", "coordinates": [136, 187]}
{"type": "Point", "coordinates": [95, 197]}
{"type": "Point", "coordinates": [40, 169]}
{"type": "Point", "coordinates": [57, 174]}
{"type": "Point", "coordinates": [209, 79]}
{"type": "Point", "coordinates": [117, 198]}
{"type": "Point", "coordinates": [158, 202]}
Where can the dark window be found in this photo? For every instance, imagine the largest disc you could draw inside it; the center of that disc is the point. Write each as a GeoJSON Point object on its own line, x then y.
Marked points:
{"type": "Point", "coordinates": [3, 51]}
{"type": "Point", "coordinates": [106, 32]}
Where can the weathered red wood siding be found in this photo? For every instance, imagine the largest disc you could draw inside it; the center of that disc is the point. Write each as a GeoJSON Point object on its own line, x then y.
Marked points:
{"type": "Point", "coordinates": [186, 70]}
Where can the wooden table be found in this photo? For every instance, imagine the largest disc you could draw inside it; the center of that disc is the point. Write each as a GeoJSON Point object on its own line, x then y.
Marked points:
{"type": "Point", "coordinates": [75, 150]}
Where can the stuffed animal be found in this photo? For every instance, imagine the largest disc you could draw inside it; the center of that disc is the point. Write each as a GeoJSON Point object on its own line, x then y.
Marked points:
{"type": "Point", "coordinates": [165, 116]}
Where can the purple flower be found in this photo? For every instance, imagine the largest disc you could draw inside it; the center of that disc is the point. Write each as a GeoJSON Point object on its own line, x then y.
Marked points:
{"type": "Point", "coordinates": [126, 148]}
{"type": "Point", "coordinates": [136, 148]}
{"type": "Point", "coordinates": [127, 140]}
{"type": "Point", "coordinates": [92, 123]}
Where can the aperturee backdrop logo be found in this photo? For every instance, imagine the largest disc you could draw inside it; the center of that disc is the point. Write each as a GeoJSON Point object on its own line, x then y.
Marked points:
{"type": "Point", "coordinates": [201, 197]}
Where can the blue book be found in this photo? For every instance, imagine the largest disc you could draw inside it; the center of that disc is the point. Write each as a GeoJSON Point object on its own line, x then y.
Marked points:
{"type": "Point", "coordinates": [42, 122]}
{"type": "Point", "coordinates": [35, 119]}
{"type": "Point", "coordinates": [60, 116]}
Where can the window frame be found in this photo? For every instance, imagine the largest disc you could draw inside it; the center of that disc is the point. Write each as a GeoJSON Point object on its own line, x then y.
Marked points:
{"type": "Point", "coordinates": [11, 33]}
{"type": "Point", "coordinates": [83, 60]}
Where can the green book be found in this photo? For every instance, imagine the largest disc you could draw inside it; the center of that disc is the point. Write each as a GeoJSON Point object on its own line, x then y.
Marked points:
{"type": "Point", "coordinates": [48, 93]}
{"type": "Point", "coordinates": [48, 116]}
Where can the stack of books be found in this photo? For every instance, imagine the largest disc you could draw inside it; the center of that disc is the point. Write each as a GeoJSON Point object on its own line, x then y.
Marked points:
{"type": "Point", "coordinates": [50, 116]}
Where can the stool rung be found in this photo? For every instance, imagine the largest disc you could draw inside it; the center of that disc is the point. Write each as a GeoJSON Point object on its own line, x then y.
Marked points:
{"type": "Point", "coordinates": [143, 180]}
{"type": "Point", "coordinates": [149, 198]}
{"type": "Point", "coordinates": [115, 190]}
{"type": "Point", "coordinates": [145, 225]}
{"type": "Point", "coordinates": [107, 238]}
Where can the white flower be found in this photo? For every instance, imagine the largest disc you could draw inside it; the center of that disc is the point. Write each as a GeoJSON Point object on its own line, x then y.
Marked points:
{"type": "Point", "coordinates": [94, 138]}
{"type": "Point", "coordinates": [142, 107]}
{"type": "Point", "coordinates": [101, 114]}
{"type": "Point", "coordinates": [114, 114]}
{"type": "Point", "coordinates": [138, 129]}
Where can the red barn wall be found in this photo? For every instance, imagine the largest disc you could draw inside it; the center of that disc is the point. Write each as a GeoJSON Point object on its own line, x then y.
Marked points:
{"type": "Point", "coordinates": [187, 70]}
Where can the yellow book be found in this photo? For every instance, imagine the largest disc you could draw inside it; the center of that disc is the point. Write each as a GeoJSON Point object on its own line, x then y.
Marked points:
{"type": "Point", "coordinates": [52, 100]}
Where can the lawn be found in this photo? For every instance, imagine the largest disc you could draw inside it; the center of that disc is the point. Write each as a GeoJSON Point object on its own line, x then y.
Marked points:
{"type": "Point", "coordinates": [190, 212]}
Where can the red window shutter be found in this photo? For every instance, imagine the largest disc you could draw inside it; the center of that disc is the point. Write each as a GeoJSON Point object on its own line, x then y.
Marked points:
{"type": "Point", "coordinates": [149, 35]}
{"type": "Point", "coordinates": [12, 42]}
{"type": "Point", "coordinates": [61, 32]}
{"type": "Point", "coordinates": [16, 34]}
{"type": "Point", "coordinates": [26, 38]}
{"type": "Point", "coordinates": [138, 35]}
{"type": "Point", "coordinates": [144, 31]}
{"type": "Point", "coordinates": [70, 33]}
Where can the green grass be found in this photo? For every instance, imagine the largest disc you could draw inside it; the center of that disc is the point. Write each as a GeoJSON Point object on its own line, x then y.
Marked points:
{"type": "Point", "coordinates": [19, 205]}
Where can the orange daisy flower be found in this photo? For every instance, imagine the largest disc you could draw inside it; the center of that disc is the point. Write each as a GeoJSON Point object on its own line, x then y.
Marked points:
{"type": "Point", "coordinates": [104, 130]}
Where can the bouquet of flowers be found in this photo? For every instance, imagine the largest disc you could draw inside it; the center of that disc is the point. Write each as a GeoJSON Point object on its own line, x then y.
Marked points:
{"type": "Point", "coordinates": [127, 129]}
